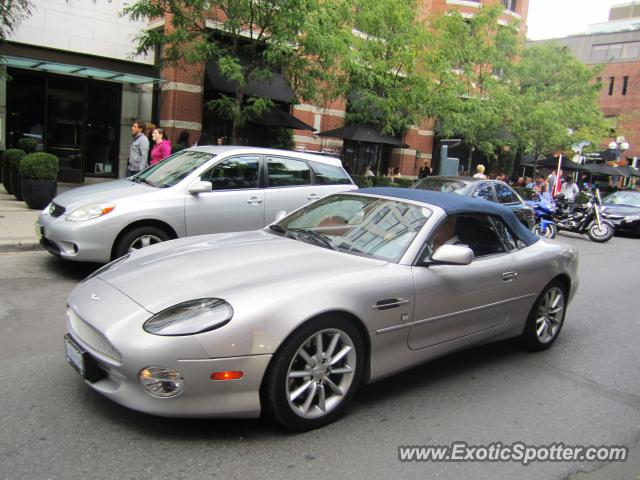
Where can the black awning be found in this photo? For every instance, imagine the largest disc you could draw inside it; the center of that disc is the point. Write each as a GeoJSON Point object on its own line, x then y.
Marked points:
{"type": "Point", "coordinates": [276, 117]}
{"type": "Point", "coordinates": [605, 169]}
{"type": "Point", "coordinates": [552, 162]}
{"type": "Point", "coordinates": [361, 132]}
{"type": "Point", "coordinates": [276, 89]}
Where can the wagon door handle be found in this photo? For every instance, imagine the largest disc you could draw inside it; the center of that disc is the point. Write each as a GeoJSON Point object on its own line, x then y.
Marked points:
{"type": "Point", "coordinates": [509, 276]}
{"type": "Point", "coordinates": [389, 303]}
{"type": "Point", "coordinates": [313, 196]}
{"type": "Point", "coordinates": [254, 201]}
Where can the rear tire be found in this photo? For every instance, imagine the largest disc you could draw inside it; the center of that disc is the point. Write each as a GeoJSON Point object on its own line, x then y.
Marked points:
{"type": "Point", "coordinates": [600, 233]}
{"type": "Point", "coordinates": [546, 318]}
{"type": "Point", "coordinates": [315, 373]}
{"type": "Point", "coordinates": [139, 237]}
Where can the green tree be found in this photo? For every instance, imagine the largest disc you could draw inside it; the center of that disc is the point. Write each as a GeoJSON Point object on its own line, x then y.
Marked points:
{"type": "Point", "coordinates": [469, 62]}
{"type": "Point", "coordinates": [12, 12]}
{"type": "Point", "coordinates": [386, 87]}
{"type": "Point", "coordinates": [556, 101]}
{"type": "Point", "coordinates": [250, 40]}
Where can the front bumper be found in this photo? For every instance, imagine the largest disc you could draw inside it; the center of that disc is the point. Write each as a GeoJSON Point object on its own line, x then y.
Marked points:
{"type": "Point", "coordinates": [108, 325]}
{"type": "Point", "coordinates": [89, 241]}
{"type": "Point", "coordinates": [624, 226]}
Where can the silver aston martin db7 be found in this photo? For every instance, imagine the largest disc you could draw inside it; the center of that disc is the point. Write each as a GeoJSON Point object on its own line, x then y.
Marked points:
{"type": "Point", "coordinates": [291, 319]}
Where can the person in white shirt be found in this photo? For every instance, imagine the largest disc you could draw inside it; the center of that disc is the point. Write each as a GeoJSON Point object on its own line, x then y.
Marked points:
{"type": "Point", "coordinates": [569, 189]}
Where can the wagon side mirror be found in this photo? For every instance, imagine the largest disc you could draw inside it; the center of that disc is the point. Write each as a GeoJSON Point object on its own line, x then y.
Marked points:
{"type": "Point", "coordinates": [199, 186]}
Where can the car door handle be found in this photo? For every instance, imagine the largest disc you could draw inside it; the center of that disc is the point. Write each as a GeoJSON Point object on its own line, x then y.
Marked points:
{"type": "Point", "coordinates": [313, 196]}
{"type": "Point", "coordinates": [254, 201]}
{"type": "Point", "coordinates": [389, 303]}
{"type": "Point", "coordinates": [509, 276]}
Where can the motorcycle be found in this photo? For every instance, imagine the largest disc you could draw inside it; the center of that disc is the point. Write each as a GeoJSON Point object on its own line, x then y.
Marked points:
{"type": "Point", "coordinates": [543, 210]}
{"type": "Point", "coordinates": [583, 216]}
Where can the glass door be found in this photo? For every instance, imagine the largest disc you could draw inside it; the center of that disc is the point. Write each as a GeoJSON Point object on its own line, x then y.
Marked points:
{"type": "Point", "coordinates": [65, 120]}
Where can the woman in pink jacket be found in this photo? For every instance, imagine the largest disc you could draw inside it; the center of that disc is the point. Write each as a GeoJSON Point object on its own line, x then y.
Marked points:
{"type": "Point", "coordinates": [161, 148]}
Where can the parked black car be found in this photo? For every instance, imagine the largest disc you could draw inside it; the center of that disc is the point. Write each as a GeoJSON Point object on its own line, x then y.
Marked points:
{"type": "Point", "coordinates": [492, 190]}
{"type": "Point", "coordinates": [623, 210]}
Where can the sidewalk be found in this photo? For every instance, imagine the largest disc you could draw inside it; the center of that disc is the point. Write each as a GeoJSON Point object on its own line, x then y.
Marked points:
{"type": "Point", "coordinates": [17, 221]}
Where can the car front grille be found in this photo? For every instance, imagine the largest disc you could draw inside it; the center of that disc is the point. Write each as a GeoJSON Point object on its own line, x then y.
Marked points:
{"type": "Point", "coordinates": [92, 337]}
{"type": "Point", "coordinates": [56, 210]}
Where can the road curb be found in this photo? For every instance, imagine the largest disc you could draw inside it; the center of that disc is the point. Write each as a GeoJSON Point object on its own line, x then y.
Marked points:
{"type": "Point", "coordinates": [9, 246]}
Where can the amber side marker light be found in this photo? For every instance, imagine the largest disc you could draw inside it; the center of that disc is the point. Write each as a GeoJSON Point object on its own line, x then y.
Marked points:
{"type": "Point", "coordinates": [226, 375]}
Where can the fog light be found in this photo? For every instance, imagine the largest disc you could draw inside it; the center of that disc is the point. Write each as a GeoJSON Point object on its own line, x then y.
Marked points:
{"type": "Point", "coordinates": [161, 382]}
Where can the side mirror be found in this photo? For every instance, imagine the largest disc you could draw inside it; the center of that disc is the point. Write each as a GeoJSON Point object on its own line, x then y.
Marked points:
{"type": "Point", "coordinates": [280, 215]}
{"type": "Point", "coordinates": [453, 255]}
{"type": "Point", "coordinates": [199, 186]}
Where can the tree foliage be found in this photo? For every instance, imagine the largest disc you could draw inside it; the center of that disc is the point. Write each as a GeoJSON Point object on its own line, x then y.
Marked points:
{"type": "Point", "coordinates": [386, 87]}
{"type": "Point", "coordinates": [469, 62]}
{"type": "Point", "coordinates": [557, 101]}
{"type": "Point", "coordinates": [12, 12]}
{"type": "Point", "coordinates": [250, 40]}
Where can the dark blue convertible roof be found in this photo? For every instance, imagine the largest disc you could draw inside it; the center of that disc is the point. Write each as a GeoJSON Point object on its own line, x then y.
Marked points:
{"type": "Point", "coordinates": [454, 204]}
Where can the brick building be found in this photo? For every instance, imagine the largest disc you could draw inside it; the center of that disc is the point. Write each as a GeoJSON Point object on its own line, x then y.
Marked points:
{"type": "Point", "coordinates": [76, 90]}
{"type": "Point", "coordinates": [615, 45]}
{"type": "Point", "coordinates": [182, 98]}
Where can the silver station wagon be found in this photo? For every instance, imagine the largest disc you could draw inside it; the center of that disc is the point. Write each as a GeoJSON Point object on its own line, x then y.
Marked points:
{"type": "Point", "coordinates": [194, 192]}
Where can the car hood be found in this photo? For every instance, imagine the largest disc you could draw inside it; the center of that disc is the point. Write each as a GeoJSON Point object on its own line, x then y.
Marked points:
{"type": "Point", "coordinates": [616, 209]}
{"type": "Point", "coordinates": [101, 192]}
{"type": "Point", "coordinates": [224, 266]}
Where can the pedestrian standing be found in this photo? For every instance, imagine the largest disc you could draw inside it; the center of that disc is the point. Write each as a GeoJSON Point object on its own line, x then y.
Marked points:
{"type": "Point", "coordinates": [551, 180]}
{"type": "Point", "coordinates": [148, 131]}
{"type": "Point", "coordinates": [161, 148]}
{"type": "Point", "coordinates": [139, 150]}
{"type": "Point", "coordinates": [480, 172]}
{"type": "Point", "coordinates": [425, 170]}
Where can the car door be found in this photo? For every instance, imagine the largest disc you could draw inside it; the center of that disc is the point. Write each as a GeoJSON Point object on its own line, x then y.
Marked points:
{"type": "Point", "coordinates": [457, 301]}
{"type": "Point", "coordinates": [507, 197]}
{"type": "Point", "coordinates": [288, 185]}
{"type": "Point", "coordinates": [235, 203]}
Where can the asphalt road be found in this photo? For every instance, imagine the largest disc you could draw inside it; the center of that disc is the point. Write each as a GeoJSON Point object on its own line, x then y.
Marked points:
{"type": "Point", "coordinates": [583, 391]}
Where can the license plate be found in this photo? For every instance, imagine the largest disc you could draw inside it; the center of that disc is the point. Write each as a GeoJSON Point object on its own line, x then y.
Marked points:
{"type": "Point", "coordinates": [75, 355]}
{"type": "Point", "coordinates": [39, 231]}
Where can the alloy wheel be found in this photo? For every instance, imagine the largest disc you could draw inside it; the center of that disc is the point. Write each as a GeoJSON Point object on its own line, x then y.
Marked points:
{"type": "Point", "coordinates": [144, 241]}
{"type": "Point", "coordinates": [320, 373]}
{"type": "Point", "coordinates": [550, 315]}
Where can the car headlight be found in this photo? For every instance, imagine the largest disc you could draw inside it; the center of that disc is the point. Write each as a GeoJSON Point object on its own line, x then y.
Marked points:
{"type": "Point", "coordinates": [189, 318]}
{"type": "Point", "coordinates": [48, 208]}
{"type": "Point", "coordinates": [631, 218]}
{"type": "Point", "coordinates": [91, 211]}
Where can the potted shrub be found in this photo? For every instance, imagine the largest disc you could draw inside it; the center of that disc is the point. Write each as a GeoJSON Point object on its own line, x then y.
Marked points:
{"type": "Point", "coordinates": [11, 160]}
{"type": "Point", "coordinates": [5, 179]}
{"type": "Point", "coordinates": [39, 173]}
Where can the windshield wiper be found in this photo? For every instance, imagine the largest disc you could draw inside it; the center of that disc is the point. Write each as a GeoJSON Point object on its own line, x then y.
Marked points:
{"type": "Point", "coordinates": [318, 238]}
{"type": "Point", "coordinates": [277, 228]}
{"type": "Point", "coordinates": [143, 180]}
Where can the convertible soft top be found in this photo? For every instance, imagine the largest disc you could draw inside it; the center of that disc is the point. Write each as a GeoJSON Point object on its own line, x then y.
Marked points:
{"type": "Point", "coordinates": [454, 204]}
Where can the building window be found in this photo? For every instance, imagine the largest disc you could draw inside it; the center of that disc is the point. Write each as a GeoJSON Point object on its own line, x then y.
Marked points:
{"type": "Point", "coordinates": [509, 5]}
{"type": "Point", "coordinates": [615, 51]}
{"type": "Point", "coordinates": [611, 82]}
{"type": "Point", "coordinates": [625, 83]}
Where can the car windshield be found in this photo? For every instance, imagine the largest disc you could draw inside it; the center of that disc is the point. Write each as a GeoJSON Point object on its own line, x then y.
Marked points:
{"type": "Point", "coordinates": [623, 198]}
{"type": "Point", "coordinates": [171, 170]}
{"type": "Point", "coordinates": [356, 224]}
{"type": "Point", "coordinates": [443, 185]}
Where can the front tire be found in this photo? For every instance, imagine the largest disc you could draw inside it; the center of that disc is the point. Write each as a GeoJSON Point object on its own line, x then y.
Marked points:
{"type": "Point", "coordinates": [314, 375]}
{"type": "Point", "coordinates": [138, 238]}
{"type": "Point", "coordinates": [600, 233]}
{"type": "Point", "coordinates": [550, 232]}
{"type": "Point", "coordinates": [546, 317]}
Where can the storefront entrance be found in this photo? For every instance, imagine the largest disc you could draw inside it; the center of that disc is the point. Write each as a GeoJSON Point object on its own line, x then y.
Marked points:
{"type": "Point", "coordinates": [75, 119]}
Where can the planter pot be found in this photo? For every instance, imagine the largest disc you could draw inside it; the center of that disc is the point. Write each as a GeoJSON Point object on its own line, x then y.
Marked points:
{"type": "Point", "coordinates": [38, 193]}
{"type": "Point", "coordinates": [6, 179]}
{"type": "Point", "coordinates": [16, 184]}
